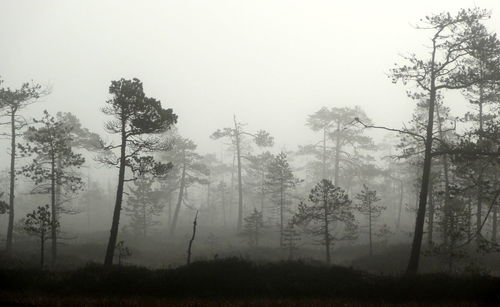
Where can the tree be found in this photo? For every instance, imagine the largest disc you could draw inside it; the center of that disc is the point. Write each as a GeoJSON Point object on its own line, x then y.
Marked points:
{"type": "Point", "coordinates": [444, 70]}
{"type": "Point", "coordinates": [236, 135]}
{"type": "Point", "coordinates": [347, 140]}
{"type": "Point", "coordinates": [252, 227]}
{"type": "Point", "coordinates": [279, 180]}
{"type": "Point", "coordinates": [328, 207]}
{"type": "Point", "coordinates": [188, 163]}
{"type": "Point", "coordinates": [11, 103]}
{"type": "Point", "coordinates": [54, 164]}
{"type": "Point", "coordinates": [143, 205]}
{"type": "Point", "coordinates": [137, 119]}
{"type": "Point", "coordinates": [39, 223]}
{"type": "Point", "coordinates": [366, 206]}
{"type": "Point", "coordinates": [291, 239]}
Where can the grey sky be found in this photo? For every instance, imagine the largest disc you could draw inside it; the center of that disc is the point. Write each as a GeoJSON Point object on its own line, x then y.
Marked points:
{"type": "Point", "coordinates": [269, 62]}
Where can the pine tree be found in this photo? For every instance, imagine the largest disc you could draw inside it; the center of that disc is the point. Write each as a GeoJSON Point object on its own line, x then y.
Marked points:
{"type": "Point", "coordinates": [366, 206]}
{"type": "Point", "coordinates": [39, 223]}
{"type": "Point", "coordinates": [252, 227]}
{"type": "Point", "coordinates": [279, 181]}
{"type": "Point", "coordinates": [328, 208]}
{"type": "Point", "coordinates": [143, 204]}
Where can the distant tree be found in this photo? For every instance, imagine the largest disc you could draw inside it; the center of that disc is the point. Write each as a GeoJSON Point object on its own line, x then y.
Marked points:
{"type": "Point", "coordinates": [54, 164]}
{"type": "Point", "coordinates": [137, 119]}
{"type": "Point", "coordinates": [366, 206]}
{"type": "Point", "coordinates": [237, 134]}
{"type": "Point", "coordinates": [4, 206]}
{"type": "Point", "coordinates": [39, 223]}
{"type": "Point", "coordinates": [279, 180]}
{"type": "Point", "coordinates": [123, 252]}
{"type": "Point", "coordinates": [291, 239]}
{"type": "Point", "coordinates": [341, 144]}
{"type": "Point", "coordinates": [256, 176]}
{"type": "Point", "coordinates": [328, 207]}
{"type": "Point", "coordinates": [252, 227]}
{"type": "Point", "coordinates": [11, 103]}
{"type": "Point", "coordinates": [189, 165]}
{"type": "Point", "coordinates": [143, 204]}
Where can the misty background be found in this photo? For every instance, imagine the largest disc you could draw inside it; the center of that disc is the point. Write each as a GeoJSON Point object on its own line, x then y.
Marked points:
{"type": "Point", "coordinates": [270, 63]}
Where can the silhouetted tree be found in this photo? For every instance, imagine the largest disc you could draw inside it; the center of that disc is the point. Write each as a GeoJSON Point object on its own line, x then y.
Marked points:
{"type": "Point", "coordinates": [252, 227]}
{"type": "Point", "coordinates": [136, 119]}
{"type": "Point", "coordinates": [54, 164]}
{"type": "Point", "coordinates": [279, 180]}
{"type": "Point", "coordinates": [366, 206]}
{"type": "Point", "coordinates": [444, 70]}
{"type": "Point", "coordinates": [143, 204]}
{"type": "Point", "coordinates": [328, 207]}
{"type": "Point", "coordinates": [39, 223]}
{"type": "Point", "coordinates": [291, 239]}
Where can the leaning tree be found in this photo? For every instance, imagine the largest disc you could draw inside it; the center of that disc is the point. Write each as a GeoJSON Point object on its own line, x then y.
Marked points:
{"type": "Point", "coordinates": [137, 119]}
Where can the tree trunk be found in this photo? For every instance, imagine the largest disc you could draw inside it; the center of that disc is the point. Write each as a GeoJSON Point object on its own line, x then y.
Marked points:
{"type": "Point", "coordinates": [192, 239]}
{"type": "Point", "coordinates": [370, 230]}
{"type": "Point", "coordinates": [327, 232]}
{"type": "Point", "coordinates": [53, 229]}
{"type": "Point", "coordinates": [240, 188]}
{"type": "Point", "coordinates": [337, 156]}
{"type": "Point", "coordinates": [144, 226]}
{"type": "Point", "coordinates": [42, 249]}
{"type": "Point", "coordinates": [401, 191]}
{"type": "Point", "coordinates": [494, 224]}
{"type": "Point", "coordinates": [110, 250]}
{"type": "Point", "coordinates": [430, 224]}
{"type": "Point", "coordinates": [324, 155]}
{"type": "Point", "coordinates": [424, 186]}
{"type": "Point", "coordinates": [10, 227]}
{"type": "Point", "coordinates": [179, 198]}
{"type": "Point", "coordinates": [448, 211]}
{"type": "Point", "coordinates": [281, 214]}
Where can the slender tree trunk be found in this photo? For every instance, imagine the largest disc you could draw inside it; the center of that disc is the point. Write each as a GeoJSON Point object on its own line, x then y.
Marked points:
{"type": "Point", "coordinates": [370, 230]}
{"type": "Point", "coordinates": [144, 226]}
{"type": "Point", "coordinates": [401, 191]}
{"type": "Point", "coordinates": [179, 198]}
{"type": "Point", "coordinates": [53, 228]}
{"type": "Point", "coordinates": [223, 198]}
{"type": "Point", "coordinates": [448, 211]}
{"type": "Point", "coordinates": [240, 188]}
{"type": "Point", "coordinates": [110, 250]}
{"type": "Point", "coordinates": [42, 249]}
{"type": "Point", "coordinates": [337, 156]}
{"type": "Point", "coordinates": [324, 155]}
{"type": "Point", "coordinates": [281, 214]}
{"type": "Point", "coordinates": [424, 186]}
{"type": "Point", "coordinates": [479, 212]}
{"type": "Point", "coordinates": [430, 224]}
{"type": "Point", "coordinates": [192, 239]}
{"type": "Point", "coordinates": [10, 227]}
{"type": "Point", "coordinates": [327, 232]}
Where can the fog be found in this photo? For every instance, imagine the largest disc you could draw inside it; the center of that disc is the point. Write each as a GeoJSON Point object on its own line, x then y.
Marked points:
{"type": "Point", "coordinates": [269, 64]}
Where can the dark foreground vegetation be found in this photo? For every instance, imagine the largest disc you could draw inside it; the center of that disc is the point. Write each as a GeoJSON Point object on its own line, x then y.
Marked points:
{"type": "Point", "coordinates": [236, 281]}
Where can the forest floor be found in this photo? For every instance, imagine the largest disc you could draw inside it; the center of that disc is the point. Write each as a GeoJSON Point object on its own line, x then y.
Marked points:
{"type": "Point", "coordinates": [25, 300]}
{"type": "Point", "coordinates": [239, 282]}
